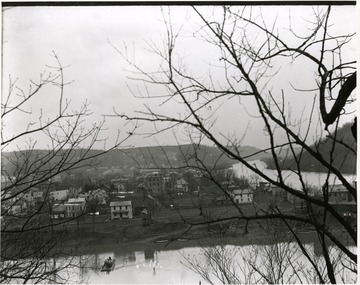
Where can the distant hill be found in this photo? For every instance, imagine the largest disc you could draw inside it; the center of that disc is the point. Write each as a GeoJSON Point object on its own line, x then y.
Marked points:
{"type": "Point", "coordinates": [344, 159]}
{"type": "Point", "coordinates": [141, 157]}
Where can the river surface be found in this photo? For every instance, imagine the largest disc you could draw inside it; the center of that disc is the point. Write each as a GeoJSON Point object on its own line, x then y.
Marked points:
{"type": "Point", "coordinates": [162, 266]}
{"type": "Point", "coordinates": [144, 267]}
{"type": "Point", "coordinates": [315, 179]}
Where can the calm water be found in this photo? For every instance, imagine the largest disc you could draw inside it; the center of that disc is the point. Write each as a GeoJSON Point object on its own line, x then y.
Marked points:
{"type": "Point", "coordinates": [312, 178]}
{"type": "Point", "coordinates": [144, 267]}
{"type": "Point", "coordinates": [151, 266]}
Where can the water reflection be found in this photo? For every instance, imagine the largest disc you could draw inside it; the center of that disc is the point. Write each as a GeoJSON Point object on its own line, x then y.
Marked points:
{"type": "Point", "coordinates": [146, 266]}
{"type": "Point", "coordinates": [160, 266]}
{"type": "Point", "coordinates": [150, 266]}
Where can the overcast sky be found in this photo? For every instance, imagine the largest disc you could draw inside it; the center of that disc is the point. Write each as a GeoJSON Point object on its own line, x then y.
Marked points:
{"type": "Point", "coordinates": [81, 37]}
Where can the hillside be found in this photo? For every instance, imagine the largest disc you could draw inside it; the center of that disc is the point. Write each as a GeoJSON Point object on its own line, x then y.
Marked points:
{"type": "Point", "coordinates": [344, 159]}
{"type": "Point", "coordinates": [139, 157]}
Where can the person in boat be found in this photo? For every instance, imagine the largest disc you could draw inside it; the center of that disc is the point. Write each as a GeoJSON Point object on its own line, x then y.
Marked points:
{"type": "Point", "coordinates": [108, 262]}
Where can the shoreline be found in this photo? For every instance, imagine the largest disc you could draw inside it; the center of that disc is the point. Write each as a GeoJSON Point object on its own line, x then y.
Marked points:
{"type": "Point", "coordinates": [164, 241]}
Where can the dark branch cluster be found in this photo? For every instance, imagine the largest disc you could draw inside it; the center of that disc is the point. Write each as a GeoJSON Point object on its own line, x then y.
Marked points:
{"type": "Point", "coordinates": [250, 50]}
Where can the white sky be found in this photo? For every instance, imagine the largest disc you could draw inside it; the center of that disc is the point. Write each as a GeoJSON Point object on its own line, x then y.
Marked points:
{"type": "Point", "coordinates": [79, 35]}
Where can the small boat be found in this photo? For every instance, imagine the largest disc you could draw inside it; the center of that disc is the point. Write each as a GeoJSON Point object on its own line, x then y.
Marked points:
{"type": "Point", "coordinates": [161, 240]}
{"type": "Point", "coordinates": [182, 239]}
{"type": "Point", "coordinates": [109, 265]}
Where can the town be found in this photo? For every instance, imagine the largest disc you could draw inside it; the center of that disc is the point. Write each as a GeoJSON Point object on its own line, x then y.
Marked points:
{"type": "Point", "coordinates": [106, 194]}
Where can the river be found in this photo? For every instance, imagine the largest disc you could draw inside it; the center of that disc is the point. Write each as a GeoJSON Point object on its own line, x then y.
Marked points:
{"type": "Point", "coordinates": [144, 267]}
{"type": "Point", "coordinates": [315, 179]}
{"type": "Point", "coordinates": [162, 266]}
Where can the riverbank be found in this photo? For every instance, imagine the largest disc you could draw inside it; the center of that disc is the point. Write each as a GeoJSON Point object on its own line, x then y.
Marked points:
{"type": "Point", "coordinates": [174, 236]}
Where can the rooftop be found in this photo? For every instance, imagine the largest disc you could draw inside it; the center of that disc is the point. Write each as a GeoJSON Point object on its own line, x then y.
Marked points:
{"type": "Point", "coordinates": [120, 203]}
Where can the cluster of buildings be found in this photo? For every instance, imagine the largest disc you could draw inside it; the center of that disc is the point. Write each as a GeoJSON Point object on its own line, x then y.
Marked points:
{"type": "Point", "coordinates": [135, 195]}
{"type": "Point", "coordinates": [337, 196]}
{"type": "Point", "coordinates": [72, 208]}
{"type": "Point", "coordinates": [58, 203]}
{"type": "Point", "coordinates": [153, 182]}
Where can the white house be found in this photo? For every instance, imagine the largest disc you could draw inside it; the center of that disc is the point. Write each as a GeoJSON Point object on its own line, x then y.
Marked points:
{"type": "Point", "coordinates": [80, 201]}
{"type": "Point", "coordinates": [121, 209]}
{"type": "Point", "coordinates": [73, 210]}
{"type": "Point", "coordinates": [242, 196]}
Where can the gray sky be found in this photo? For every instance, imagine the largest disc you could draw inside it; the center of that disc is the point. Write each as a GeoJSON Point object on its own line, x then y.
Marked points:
{"type": "Point", "coordinates": [80, 36]}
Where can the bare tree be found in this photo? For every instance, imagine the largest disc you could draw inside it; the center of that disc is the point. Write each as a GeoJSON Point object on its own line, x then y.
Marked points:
{"type": "Point", "coordinates": [275, 260]}
{"type": "Point", "coordinates": [31, 239]}
{"type": "Point", "coordinates": [251, 54]}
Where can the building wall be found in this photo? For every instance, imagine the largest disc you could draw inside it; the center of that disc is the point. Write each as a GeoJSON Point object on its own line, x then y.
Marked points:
{"type": "Point", "coordinates": [74, 192]}
{"type": "Point", "coordinates": [154, 183]}
{"type": "Point", "coordinates": [242, 197]}
{"type": "Point", "coordinates": [73, 210]}
{"type": "Point", "coordinates": [181, 186]}
{"type": "Point", "coordinates": [278, 193]}
{"type": "Point", "coordinates": [58, 211]}
{"type": "Point", "coordinates": [340, 197]}
{"type": "Point", "coordinates": [121, 210]}
{"type": "Point", "coordinates": [79, 201]}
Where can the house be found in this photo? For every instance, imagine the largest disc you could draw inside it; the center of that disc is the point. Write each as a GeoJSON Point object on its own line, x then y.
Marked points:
{"type": "Point", "coordinates": [139, 204]}
{"type": "Point", "coordinates": [140, 188]}
{"type": "Point", "coordinates": [339, 195]}
{"type": "Point", "coordinates": [73, 210]}
{"type": "Point", "coordinates": [17, 207]}
{"type": "Point", "coordinates": [27, 197]}
{"type": "Point", "coordinates": [243, 196]}
{"type": "Point", "coordinates": [278, 193]}
{"type": "Point", "coordinates": [121, 209]}
{"type": "Point", "coordinates": [181, 186]}
{"type": "Point", "coordinates": [7, 180]}
{"type": "Point", "coordinates": [58, 211]}
{"type": "Point", "coordinates": [263, 186]}
{"type": "Point", "coordinates": [168, 185]}
{"type": "Point", "coordinates": [222, 200]}
{"type": "Point", "coordinates": [119, 185]}
{"type": "Point", "coordinates": [39, 197]}
{"type": "Point", "coordinates": [98, 194]}
{"type": "Point", "coordinates": [74, 207]}
{"type": "Point", "coordinates": [298, 202]}
{"type": "Point", "coordinates": [80, 201]}
{"type": "Point", "coordinates": [154, 183]}
{"type": "Point", "coordinates": [56, 179]}
{"type": "Point", "coordinates": [74, 192]}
